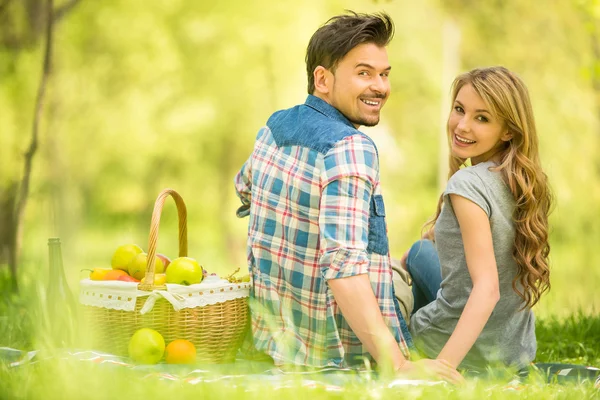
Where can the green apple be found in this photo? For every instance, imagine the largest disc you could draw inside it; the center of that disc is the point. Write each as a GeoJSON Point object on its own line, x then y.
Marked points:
{"type": "Point", "coordinates": [184, 271]}
{"type": "Point", "coordinates": [137, 266]}
{"type": "Point", "coordinates": [123, 256]}
{"type": "Point", "coordinates": [146, 346]}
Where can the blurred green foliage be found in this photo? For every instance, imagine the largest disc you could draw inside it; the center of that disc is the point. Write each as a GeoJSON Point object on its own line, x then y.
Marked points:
{"type": "Point", "coordinates": [152, 94]}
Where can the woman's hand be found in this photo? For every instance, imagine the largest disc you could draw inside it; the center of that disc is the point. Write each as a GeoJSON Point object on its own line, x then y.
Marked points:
{"type": "Point", "coordinates": [403, 260]}
{"type": "Point", "coordinates": [431, 369]}
{"type": "Point", "coordinates": [430, 234]}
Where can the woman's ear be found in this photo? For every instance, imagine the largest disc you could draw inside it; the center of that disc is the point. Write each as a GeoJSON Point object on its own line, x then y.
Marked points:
{"type": "Point", "coordinates": [323, 79]}
{"type": "Point", "coordinates": [506, 136]}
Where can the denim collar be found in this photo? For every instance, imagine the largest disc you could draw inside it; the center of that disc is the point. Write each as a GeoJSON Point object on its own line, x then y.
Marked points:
{"type": "Point", "coordinates": [327, 109]}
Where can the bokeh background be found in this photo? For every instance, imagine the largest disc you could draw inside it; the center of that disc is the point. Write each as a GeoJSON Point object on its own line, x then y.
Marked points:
{"type": "Point", "coordinates": [145, 95]}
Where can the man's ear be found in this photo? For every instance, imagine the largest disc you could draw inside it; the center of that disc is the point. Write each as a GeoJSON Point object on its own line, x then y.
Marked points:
{"type": "Point", "coordinates": [323, 80]}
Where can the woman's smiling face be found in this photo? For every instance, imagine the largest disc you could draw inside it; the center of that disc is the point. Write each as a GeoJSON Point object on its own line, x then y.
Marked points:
{"type": "Point", "coordinates": [474, 132]}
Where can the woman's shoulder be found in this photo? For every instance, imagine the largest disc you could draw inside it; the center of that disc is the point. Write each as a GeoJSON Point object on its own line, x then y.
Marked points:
{"type": "Point", "coordinates": [484, 180]}
{"type": "Point", "coordinates": [484, 168]}
{"type": "Point", "coordinates": [480, 174]}
{"type": "Point", "coordinates": [477, 183]}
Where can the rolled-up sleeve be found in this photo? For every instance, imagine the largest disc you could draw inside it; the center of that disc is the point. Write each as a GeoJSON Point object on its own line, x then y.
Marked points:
{"type": "Point", "coordinates": [347, 179]}
{"type": "Point", "coordinates": [243, 188]}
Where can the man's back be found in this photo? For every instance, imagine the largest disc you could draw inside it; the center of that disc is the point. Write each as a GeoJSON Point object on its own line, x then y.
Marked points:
{"type": "Point", "coordinates": [311, 188]}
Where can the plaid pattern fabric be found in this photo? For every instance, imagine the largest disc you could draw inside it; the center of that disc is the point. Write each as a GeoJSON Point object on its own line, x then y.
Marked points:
{"type": "Point", "coordinates": [309, 222]}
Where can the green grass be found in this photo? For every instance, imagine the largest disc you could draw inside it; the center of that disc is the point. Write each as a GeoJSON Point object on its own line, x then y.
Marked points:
{"type": "Point", "coordinates": [75, 380]}
{"type": "Point", "coordinates": [563, 336]}
{"type": "Point", "coordinates": [574, 339]}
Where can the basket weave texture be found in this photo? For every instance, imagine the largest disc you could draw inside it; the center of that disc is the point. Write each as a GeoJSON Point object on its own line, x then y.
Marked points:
{"type": "Point", "coordinates": [216, 330]}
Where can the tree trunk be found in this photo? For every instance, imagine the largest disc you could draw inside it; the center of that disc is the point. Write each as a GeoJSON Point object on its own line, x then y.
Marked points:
{"type": "Point", "coordinates": [7, 234]}
{"type": "Point", "coordinates": [15, 229]}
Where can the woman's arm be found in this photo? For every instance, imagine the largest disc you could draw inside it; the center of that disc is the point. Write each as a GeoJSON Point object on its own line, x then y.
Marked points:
{"type": "Point", "coordinates": [479, 252]}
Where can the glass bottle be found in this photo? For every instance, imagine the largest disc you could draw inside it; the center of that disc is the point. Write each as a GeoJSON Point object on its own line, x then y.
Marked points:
{"type": "Point", "coordinates": [61, 308]}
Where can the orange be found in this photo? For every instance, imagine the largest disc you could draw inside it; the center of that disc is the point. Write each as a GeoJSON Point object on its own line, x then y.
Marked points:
{"type": "Point", "coordinates": [114, 274]}
{"type": "Point", "coordinates": [180, 351]}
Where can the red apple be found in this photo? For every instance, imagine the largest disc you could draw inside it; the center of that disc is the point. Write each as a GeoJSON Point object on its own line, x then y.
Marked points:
{"type": "Point", "coordinates": [127, 278]}
{"type": "Point", "coordinates": [166, 261]}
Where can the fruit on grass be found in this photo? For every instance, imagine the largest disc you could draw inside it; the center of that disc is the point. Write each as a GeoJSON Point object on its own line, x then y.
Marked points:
{"type": "Point", "coordinates": [160, 279]}
{"type": "Point", "coordinates": [98, 274]}
{"type": "Point", "coordinates": [137, 266]}
{"type": "Point", "coordinates": [146, 346]}
{"type": "Point", "coordinates": [180, 351]}
{"type": "Point", "coordinates": [166, 260]}
{"type": "Point", "coordinates": [184, 271]}
{"type": "Point", "coordinates": [123, 256]}
{"type": "Point", "coordinates": [114, 274]}
{"type": "Point", "coordinates": [127, 278]}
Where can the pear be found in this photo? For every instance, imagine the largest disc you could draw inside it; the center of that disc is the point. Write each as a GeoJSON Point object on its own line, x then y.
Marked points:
{"type": "Point", "coordinates": [123, 256]}
{"type": "Point", "coordinates": [137, 266]}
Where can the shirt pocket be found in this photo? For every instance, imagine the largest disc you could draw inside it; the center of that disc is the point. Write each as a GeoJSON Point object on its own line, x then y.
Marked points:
{"type": "Point", "coordinates": [378, 240]}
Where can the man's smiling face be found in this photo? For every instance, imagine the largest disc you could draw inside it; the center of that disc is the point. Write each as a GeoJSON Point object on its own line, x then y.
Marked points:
{"type": "Point", "coordinates": [360, 85]}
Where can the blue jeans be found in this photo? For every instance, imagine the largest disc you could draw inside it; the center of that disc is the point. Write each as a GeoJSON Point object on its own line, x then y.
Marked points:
{"type": "Point", "coordinates": [423, 265]}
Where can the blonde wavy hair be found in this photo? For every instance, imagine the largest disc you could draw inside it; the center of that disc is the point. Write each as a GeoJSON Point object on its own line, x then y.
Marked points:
{"type": "Point", "coordinates": [508, 99]}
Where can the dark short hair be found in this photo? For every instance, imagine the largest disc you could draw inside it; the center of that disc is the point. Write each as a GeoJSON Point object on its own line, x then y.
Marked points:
{"type": "Point", "coordinates": [332, 41]}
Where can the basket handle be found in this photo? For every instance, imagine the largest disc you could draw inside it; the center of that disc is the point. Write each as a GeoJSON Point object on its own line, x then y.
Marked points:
{"type": "Point", "coordinates": [147, 282]}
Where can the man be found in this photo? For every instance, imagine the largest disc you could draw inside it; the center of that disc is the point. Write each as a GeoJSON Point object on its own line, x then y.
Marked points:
{"type": "Point", "coordinates": [317, 237]}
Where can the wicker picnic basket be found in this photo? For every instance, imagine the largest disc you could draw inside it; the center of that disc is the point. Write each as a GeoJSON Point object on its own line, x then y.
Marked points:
{"type": "Point", "coordinates": [213, 316]}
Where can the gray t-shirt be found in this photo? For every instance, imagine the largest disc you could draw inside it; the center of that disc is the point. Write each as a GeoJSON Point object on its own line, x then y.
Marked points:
{"type": "Point", "coordinates": [509, 335]}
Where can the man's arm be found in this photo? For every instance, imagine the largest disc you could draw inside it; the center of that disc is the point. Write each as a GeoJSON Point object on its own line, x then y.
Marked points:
{"type": "Point", "coordinates": [348, 179]}
{"type": "Point", "coordinates": [243, 188]}
{"type": "Point", "coordinates": [344, 226]}
{"type": "Point", "coordinates": [359, 307]}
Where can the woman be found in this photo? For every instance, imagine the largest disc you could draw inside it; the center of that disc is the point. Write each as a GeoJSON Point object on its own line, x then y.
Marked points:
{"type": "Point", "coordinates": [473, 304]}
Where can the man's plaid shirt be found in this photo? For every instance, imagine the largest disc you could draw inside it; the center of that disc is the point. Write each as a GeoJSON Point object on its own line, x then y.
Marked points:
{"type": "Point", "coordinates": [311, 189]}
